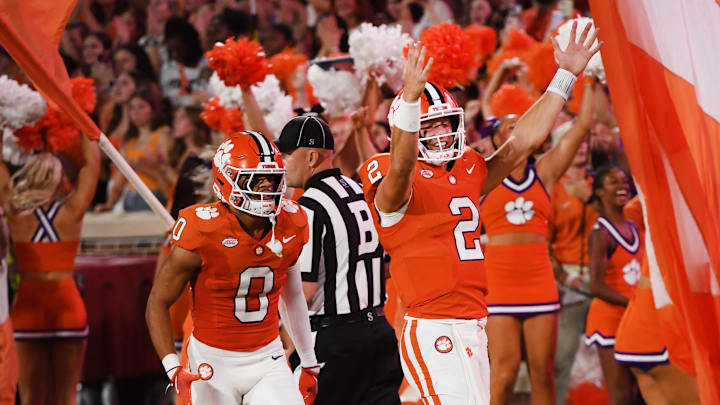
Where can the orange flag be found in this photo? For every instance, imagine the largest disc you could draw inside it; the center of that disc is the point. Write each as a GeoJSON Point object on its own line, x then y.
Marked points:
{"type": "Point", "coordinates": [30, 31]}
{"type": "Point", "coordinates": [661, 59]}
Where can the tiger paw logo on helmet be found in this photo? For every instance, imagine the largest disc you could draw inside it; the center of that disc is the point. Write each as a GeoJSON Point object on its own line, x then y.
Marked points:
{"type": "Point", "coordinates": [223, 153]}
{"type": "Point", "coordinates": [206, 212]}
{"type": "Point", "coordinates": [631, 272]}
{"type": "Point", "coordinates": [519, 211]}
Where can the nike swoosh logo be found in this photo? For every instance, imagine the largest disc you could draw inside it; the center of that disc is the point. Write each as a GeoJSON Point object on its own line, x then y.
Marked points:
{"type": "Point", "coordinates": [470, 170]}
{"type": "Point", "coordinates": [288, 239]}
{"type": "Point", "coordinates": [276, 357]}
{"type": "Point", "coordinates": [565, 204]}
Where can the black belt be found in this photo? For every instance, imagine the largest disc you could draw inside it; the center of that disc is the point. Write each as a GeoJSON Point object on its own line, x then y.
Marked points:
{"type": "Point", "coordinates": [369, 315]}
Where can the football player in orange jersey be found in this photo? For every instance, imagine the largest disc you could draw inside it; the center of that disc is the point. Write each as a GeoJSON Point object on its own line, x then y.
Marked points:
{"type": "Point", "coordinates": [239, 256]}
{"type": "Point", "coordinates": [425, 195]}
{"type": "Point", "coordinates": [614, 246]}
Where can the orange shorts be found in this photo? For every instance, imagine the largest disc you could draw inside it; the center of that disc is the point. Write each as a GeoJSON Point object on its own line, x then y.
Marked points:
{"type": "Point", "coordinates": [8, 364]}
{"type": "Point", "coordinates": [520, 280]}
{"type": "Point", "coordinates": [602, 323]}
{"type": "Point", "coordinates": [49, 310]}
{"type": "Point", "coordinates": [638, 341]}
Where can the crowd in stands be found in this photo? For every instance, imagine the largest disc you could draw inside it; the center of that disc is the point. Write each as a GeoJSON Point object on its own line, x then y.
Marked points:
{"type": "Point", "coordinates": [153, 83]}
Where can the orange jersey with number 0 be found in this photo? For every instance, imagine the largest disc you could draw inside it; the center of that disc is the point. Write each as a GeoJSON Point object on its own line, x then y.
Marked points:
{"type": "Point", "coordinates": [436, 258]}
{"type": "Point", "coordinates": [235, 294]}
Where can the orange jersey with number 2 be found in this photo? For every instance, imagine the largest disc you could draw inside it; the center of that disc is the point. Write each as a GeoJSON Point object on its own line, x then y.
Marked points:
{"type": "Point", "coordinates": [436, 258]}
{"type": "Point", "coordinates": [235, 294]}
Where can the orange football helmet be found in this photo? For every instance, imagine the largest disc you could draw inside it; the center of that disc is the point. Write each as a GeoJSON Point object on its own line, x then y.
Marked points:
{"type": "Point", "coordinates": [436, 102]}
{"type": "Point", "coordinates": [241, 161]}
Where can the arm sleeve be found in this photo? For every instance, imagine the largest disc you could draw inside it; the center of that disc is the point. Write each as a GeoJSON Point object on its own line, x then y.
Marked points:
{"type": "Point", "coordinates": [294, 312]}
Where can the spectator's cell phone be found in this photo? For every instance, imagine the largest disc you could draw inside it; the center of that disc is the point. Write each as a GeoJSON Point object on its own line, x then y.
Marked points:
{"type": "Point", "coordinates": [338, 62]}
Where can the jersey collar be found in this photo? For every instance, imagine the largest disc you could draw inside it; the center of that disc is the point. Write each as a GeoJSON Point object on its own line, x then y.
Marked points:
{"type": "Point", "coordinates": [317, 177]}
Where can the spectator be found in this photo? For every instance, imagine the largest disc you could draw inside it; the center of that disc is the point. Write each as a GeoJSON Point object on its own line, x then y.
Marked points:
{"type": "Point", "coordinates": [99, 14]}
{"type": "Point", "coordinates": [480, 11]}
{"type": "Point", "coordinates": [145, 148]}
{"type": "Point", "coordinates": [434, 12]}
{"type": "Point", "coordinates": [96, 63]}
{"type": "Point", "coordinates": [114, 113]}
{"type": "Point", "coordinates": [276, 38]}
{"type": "Point", "coordinates": [331, 30]}
{"type": "Point", "coordinates": [132, 57]}
{"type": "Point", "coordinates": [71, 43]}
{"type": "Point", "coordinates": [228, 23]}
{"type": "Point", "coordinates": [352, 12]}
{"type": "Point", "coordinates": [183, 78]}
{"type": "Point", "coordinates": [191, 136]}
{"type": "Point", "coordinates": [158, 13]}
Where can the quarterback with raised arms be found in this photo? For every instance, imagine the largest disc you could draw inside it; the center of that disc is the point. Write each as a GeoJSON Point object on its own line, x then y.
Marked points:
{"type": "Point", "coordinates": [425, 195]}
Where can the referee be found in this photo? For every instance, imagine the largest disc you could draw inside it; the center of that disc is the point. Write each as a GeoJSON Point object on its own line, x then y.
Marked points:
{"type": "Point", "coordinates": [342, 272]}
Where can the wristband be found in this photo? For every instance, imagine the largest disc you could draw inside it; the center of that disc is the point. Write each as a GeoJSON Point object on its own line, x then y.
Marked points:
{"type": "Point", "coordinates": [170, 363]}
{"type": "Point", "coordinates": [405, 116]}
{"type": "Point", "coordinates": [562, 83]}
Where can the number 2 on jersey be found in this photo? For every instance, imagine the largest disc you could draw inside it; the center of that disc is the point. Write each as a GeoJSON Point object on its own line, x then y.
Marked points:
{"type": "Point", "coordinates": [464, 226]}
{"type": "Point", "coordinates": [251, 301]}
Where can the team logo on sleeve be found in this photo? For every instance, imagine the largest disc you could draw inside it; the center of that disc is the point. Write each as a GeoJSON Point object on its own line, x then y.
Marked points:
{"type": "Point", "coordinates": [206, 212]}
{"type": "Point", "coordinates": [230, 242]}
{"type": "Point", "coordinates": [519, 211]}
{"type": "Point", "coordinates": [443, 344]}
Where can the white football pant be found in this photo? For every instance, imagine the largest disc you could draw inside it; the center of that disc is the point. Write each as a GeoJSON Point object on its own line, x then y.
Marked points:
{"type": "Point", "coordinates": [260, 377]}
{"type": "Point", "coordinates": [446, 360]}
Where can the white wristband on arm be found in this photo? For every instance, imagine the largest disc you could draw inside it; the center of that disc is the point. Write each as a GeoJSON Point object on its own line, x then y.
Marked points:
{"type": "Point", "coordinates": [562, 83]}
{"type": "Point", "coordinates": [406, 116]}
{"type": "Point", "coordinates": [170, 363]}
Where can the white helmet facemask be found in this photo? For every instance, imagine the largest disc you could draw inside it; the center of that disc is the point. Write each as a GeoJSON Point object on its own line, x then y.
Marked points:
{"type": "Point", "coordinates": [259, 203]}
{"type": "Point", "coordinates": [447, 150]}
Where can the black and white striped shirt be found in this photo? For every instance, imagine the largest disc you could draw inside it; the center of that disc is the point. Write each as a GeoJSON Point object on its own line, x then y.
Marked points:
{"type": "Point", "coordinates": [343, 254]}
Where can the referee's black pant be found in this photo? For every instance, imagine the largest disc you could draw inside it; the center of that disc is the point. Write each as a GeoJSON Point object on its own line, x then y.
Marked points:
{"type": "Point", "coordinates": [362, 364]}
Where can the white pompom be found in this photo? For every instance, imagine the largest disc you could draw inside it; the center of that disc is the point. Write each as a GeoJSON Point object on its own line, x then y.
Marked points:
{"type": "Point", "coordinates": [275, 105]}
{"type": "Point", "coordinates": [595, 66]}
{"type": "Point", "coordinates": [378, 51]}
{"type": "Point", "coordinates": [230, 97]}
{"type": "Point", "coordinates": [339, 92]}
{"type": "Point", "coordinates": [11, 151]}
{"type": "Point", "coordinates": [19, 104]}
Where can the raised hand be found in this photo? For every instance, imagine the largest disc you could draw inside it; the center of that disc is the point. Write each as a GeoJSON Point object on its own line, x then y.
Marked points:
{"type": "Point", "coordinates": [360, 118]}
{"type": "Point", "coordinates": [579, 51]}
{"type": "Point", "coordinates": [415, 73]}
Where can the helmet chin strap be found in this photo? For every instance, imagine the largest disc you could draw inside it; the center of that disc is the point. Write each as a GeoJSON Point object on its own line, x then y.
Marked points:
{"type": "Point", "coordinates": [274, 245]}
{"type": "Point", "coordinates": [259, 207]}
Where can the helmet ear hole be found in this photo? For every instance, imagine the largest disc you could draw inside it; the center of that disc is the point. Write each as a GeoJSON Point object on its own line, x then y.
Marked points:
{"type": "Point", "coordinates": [455, 122]}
